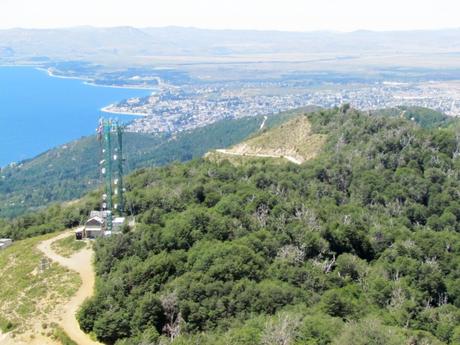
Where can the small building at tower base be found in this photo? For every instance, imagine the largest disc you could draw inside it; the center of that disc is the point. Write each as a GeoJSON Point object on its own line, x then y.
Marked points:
{"type": "Point", "coordinates": [94, 227]}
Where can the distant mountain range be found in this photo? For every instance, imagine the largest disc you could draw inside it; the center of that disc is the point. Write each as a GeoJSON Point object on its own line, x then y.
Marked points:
{"type": "Point", "coordinates": [140, 45]}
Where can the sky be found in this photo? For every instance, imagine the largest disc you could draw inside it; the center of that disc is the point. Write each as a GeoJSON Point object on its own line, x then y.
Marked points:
{"type": "Point", "coordinates": [286, 15]}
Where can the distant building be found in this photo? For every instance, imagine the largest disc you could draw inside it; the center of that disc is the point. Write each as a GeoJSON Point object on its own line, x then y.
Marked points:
{"type": "Point", "coordinates": [94, 227]}
{"type": "Point", "coordinates": [5, 243]}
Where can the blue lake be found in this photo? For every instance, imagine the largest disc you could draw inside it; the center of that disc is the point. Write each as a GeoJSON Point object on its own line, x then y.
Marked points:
{"type": "Point", "coordinates": [38, 112]}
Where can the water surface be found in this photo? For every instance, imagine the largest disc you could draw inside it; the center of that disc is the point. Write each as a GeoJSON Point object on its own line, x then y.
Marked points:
{"type": "Point", "coordinates": [38, 112]}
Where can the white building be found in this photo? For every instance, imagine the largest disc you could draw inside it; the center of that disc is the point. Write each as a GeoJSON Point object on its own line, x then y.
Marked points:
{"type": "Point", "coordinates": [5, 243]}
{"type": "Point", "coordinates": [117, 223]}
{"type": "Point", "coordinates": [94, 227]}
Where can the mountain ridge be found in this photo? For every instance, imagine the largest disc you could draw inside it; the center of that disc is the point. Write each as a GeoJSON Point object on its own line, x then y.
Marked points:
{"type": "Point", "coordinates": [196, 41]}
{"type": "Point", "coordinates": [68, 171]}
{"type": "Point", "coordinates": [361, 243]}
{"type": "Point", "coordinates": [54, 176]}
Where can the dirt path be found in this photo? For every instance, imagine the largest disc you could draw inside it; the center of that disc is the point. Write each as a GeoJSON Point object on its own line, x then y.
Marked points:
{"type": "Point", "coordinates": [289, 158]}
{"type": "Point", "coordinates": [263, 123]}
{"type": "Point", "coordinates": [81, 262]}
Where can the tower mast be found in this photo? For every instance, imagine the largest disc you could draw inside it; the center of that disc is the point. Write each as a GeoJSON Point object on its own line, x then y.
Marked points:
{"type": "Point", "coordinates": [107, 171]}
{"type": "Point", "coordinates": [112, 153]}
{"type": "Point", "coordinates": [120, 187]}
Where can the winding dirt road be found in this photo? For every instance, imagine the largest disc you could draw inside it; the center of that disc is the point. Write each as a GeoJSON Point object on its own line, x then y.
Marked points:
{"type": "Point", "coordinates": [82, 263]}
{"type": "Point", "coordinates": [260, 155]}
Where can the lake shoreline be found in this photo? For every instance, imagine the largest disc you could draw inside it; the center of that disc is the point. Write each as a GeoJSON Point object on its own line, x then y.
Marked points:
{"type": "Point", "coordinates": [91, 82]}
{"type": "Point", "coordinates": [108, 111]}
{"type": "Point", "coordinates": [57, 111]}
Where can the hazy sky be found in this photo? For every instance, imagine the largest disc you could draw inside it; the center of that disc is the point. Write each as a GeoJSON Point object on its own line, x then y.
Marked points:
{"type": "Point", "coordinates": [295, 15]}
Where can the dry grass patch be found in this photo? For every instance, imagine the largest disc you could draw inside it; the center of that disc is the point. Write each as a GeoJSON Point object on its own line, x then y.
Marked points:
{"type": "Point", "coordinates": [28, 293]}
{"type": "Point", "coordinates": [293, 141]}
{"type": "Point", "coordinates": [68, 246]}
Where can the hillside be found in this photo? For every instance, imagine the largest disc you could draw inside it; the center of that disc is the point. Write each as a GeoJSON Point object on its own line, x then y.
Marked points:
{"type": "Point", "coordinates": [425, 117]}
{"type": "Point", "coordinates": [292, 140]}
{"type": "Point", "coordinates": [69, 171]}
{"type": "Point", "coordinates": [32, 290]}
{"type": "Point", "coordinates": [359, 245]}
{"type": "Point", "coordinates": [295, 141]}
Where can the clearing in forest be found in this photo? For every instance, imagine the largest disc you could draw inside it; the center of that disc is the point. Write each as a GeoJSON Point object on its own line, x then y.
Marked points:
{"type": "Point", "coordinates": [293, 141]}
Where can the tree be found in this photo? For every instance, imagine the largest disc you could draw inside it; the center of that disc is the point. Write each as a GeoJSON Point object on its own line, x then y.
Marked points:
{"type": "Point", "coordinates": [282, 330]}
{"type": "Point", "coordinates": [368, 332]}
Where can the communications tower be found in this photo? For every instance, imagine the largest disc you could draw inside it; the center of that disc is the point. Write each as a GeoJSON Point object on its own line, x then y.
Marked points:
{"type": "Point", "coordinates": [110, 136]}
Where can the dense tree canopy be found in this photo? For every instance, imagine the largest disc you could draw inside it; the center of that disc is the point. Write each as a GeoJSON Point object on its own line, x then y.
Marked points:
{"type": "Point", "coordinates": [358, 246]}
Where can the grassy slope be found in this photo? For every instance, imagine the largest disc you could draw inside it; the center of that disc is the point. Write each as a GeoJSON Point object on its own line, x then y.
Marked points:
{"type": "Point", "coordinates": [66, 247]}
{"type": "Point", "coordinates": [62, 337]}
{"type": "Point", "coordinates": [293, 138]}
{"type": "Point", "coordinates": [25, 291]}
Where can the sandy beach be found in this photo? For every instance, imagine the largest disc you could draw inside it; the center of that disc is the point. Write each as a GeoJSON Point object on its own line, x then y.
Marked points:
{"type": "Point", "coordinates": [107, 110]}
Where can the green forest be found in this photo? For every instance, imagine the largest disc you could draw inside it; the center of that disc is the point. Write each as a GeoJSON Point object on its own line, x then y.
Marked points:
{"type": "Point", "coordinates": [359, 246]}
{"type": "Point", "coordinates": [69, 171]}
{"type": "Point", "coordinates": [425, 117]}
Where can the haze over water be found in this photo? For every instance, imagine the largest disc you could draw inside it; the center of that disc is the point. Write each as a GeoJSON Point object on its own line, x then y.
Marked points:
{"type": "Point", "coordinates": [38, 112]}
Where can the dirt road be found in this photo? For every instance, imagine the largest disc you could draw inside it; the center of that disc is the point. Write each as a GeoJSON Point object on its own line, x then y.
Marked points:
{"type": "Point", "coordinates": [81, 262]}
{"type": "Point", "coordinates": [261, 155]}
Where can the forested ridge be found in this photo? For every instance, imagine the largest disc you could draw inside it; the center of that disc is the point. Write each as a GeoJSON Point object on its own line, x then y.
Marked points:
{"type": "Point", "coordinates": [360, 245]}
{"type": "Point", "coordinates": [69, 171]}
{"type": "Point", "coordinates": [425, 117]}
